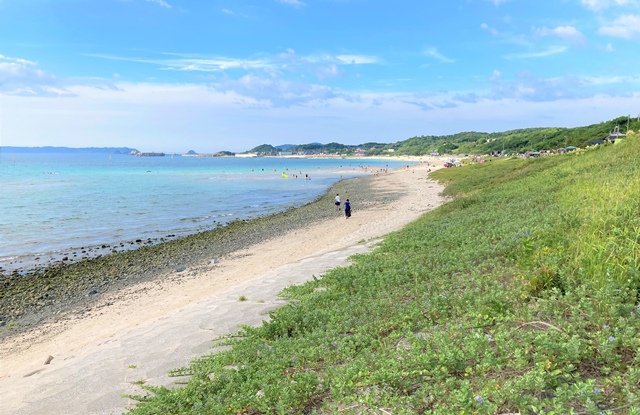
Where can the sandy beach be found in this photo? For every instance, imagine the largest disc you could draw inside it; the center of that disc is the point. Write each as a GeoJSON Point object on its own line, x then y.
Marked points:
{"type": "Point", "coordinates": [140, 332]}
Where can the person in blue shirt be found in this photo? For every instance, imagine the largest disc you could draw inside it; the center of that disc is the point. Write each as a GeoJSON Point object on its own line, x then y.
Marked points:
{"type": "Point", "coordinates": [347, 209]}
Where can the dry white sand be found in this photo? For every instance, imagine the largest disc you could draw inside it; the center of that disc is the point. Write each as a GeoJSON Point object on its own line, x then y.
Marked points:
{"type": "Point", "coordinates": [161, 325]}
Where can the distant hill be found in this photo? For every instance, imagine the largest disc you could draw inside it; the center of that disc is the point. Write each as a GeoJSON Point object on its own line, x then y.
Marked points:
{"type": "Point", "coordinates": [264, 148]}
{"type": "Point", "coordinates": [67, 150]}
{"type": "Point", "coordinates": [520, 140]}
{"type": "Point", "coordinates": [191, 153]}
{"type": "Point", "coordinates": [285, 147]}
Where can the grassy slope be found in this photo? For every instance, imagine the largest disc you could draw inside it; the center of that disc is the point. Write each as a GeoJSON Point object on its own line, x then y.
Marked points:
{"type": "Point", "coordinates": [519, 295]}
{"type": "Point", "coordinates": [515, 140]}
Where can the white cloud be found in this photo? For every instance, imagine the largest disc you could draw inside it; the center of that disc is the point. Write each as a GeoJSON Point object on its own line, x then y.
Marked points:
{"type": "Point", "coordinates": [152, 115]}
{"type": "Point", "coordinates": [185, 62]}
{"type": "Point", "coordinates": [357, 59]}
{"type": "Point", "coordinates": [18, 77]}
{"type": "Point", "coordinates": [608, 80]}
{"type": "Point", "coordinates": [568, 33]}
{"type": "Point", "coordinates": [626, 26]}
{"type": "Point", "coordinates": [491, 30]}
{"type": "Point", "coordinates": [322, 66]}
{"type": "Point", "coordinates": [507, 36]}
{"type": "Point", "coordinates": [276, 92]}
{"type": "Point", "coordinates": [17, 60]}
{"type": "Point", "coordinates": [497, 76]}
{"type": "Point", "coordinates": [498, 2]}
{"type": "Point", "coordinates": [232, 13]}
{"type": "Point", "coordinates": [433, 52]}
{"type": "Point", "coordinates": [608, 48]}
{"type": "Point", "coordinates": [161, 3]}
{"type": "Point", "coordinates": [554, 50]}
{"type": "Point", "coordinates": [295, 3]}
{"type": "Point", "coordinates": [603, 4]}
{"type": "Point", "coordinates": [326, 72]}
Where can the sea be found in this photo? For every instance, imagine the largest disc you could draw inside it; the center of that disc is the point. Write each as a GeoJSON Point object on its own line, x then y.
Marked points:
{"type": "Point", "coordinates": [54, 203]}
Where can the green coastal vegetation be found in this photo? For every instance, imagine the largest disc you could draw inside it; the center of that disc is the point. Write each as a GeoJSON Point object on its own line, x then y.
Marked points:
{"type": "Point", "coordinates": [520, 295]}
{"type": "Point", "coordinates": [264, 148]}
{"type": "Point", "coordinates": [513, 141]}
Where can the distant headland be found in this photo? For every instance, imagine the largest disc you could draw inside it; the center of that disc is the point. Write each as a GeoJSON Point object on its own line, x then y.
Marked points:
{"type": "Point", "coordinates": [471, 142]}
{"type": "Point", "coordinates": [68, 150]}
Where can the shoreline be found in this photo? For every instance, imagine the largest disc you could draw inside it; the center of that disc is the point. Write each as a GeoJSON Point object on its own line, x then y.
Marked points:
{"type": "Point", "coordinates": [27, 300]}
{"type": "Point", "coordinates": [40, 260]}
{"type": "Point", "coordinates": [168, 321]}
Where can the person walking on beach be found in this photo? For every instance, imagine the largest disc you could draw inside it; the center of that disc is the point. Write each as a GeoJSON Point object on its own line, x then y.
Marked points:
{"type": "Point", "coordinates": [347, 209]}
{"type": "Point", "coordinates": [338, 202]}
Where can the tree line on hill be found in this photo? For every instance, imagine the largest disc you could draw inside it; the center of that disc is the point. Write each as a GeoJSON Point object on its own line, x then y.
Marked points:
{"type": "Point", "coordinates": [512, 141]}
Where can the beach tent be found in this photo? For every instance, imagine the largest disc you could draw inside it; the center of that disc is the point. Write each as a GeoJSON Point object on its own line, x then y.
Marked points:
{"type": "Point", "coordinates": [571, 148]}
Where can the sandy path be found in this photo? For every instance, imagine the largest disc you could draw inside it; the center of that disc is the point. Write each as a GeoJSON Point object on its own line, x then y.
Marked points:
{"type": "Point", "coordinates": [161, 325]}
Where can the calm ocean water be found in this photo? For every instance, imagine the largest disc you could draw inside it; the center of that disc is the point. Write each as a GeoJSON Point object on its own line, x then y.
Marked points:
{"type": "Point", "coordinates": [50, 203]}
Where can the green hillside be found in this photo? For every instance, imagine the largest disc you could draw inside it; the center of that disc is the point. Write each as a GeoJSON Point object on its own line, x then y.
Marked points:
{"type": "Point", "coordinates": [512, 141]}
{"type": "Point", "coordinates": [264, 148]}
{"type": "Point", "coordinates": [519, 296]}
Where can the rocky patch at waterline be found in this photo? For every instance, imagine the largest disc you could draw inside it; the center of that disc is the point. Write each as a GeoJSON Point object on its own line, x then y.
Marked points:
{"type": "Point", "coordinates": [27, 299]}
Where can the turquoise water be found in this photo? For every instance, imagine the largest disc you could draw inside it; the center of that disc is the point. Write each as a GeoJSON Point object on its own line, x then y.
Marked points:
{"type": "Point", "coordinates": [51, 203]}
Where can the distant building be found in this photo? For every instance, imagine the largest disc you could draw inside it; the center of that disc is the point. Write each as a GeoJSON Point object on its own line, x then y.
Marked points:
{"type": "Point", "coordinates": [391, 150]}
{"type": "Point", "coordinates": [285, 153]}
{"type": "Point", "coordinates": [150, 155]}
{"type": "Point", "coordinates": [247, 155]}
{"type": "Point", "coordinates": [615, 135]}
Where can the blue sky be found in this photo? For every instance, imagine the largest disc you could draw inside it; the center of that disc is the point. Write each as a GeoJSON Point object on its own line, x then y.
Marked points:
{"type": "Point", "coordinates": [229, 74]}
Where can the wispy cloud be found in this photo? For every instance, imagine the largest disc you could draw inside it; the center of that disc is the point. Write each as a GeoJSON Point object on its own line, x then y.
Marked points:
{"type": "Point", "coordinates": [278, 92]}
{"type": "Point", "coordinates": [498, 2]}
{"type": "Point", "coordinates": [626, 26]}
{"type": "Point", "coordinates": [598, 5]}
{"type": "Point", "coordinates": [568, 33]}
{"type": "Point", "coordinates": [161, 3]}
{"type": "Point", "coordinates": [17, 60]}
{"type": "Point", "coordinates": [295, 3]}
{"type": "Point", "coordinates": [357, 59]}
{"type": "Point", "coordinates": [608, 80]}
{"type": "Point", "coordinates": [608, 48]}
{"type": "Point", "coordinates": [323, 66]}
{"type": "Point", "coordinates": [185, 62]}
{"type": "Point", "coordinates": [433, 52]}
{"type": "Point", "coordinates": [491, 30]}
{"type": "Point", "coordinates": [232, 13]}
{"type": "Point", "coordinates": [554, 50]}
{"type": "Point", "coordinates": [21, 77]}
{"type": "Point", "coordinates": [507, 37]}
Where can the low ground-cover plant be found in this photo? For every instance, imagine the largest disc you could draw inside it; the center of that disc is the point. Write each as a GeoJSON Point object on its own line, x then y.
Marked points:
{"type": "Point", "coordinates": [520, 295]}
